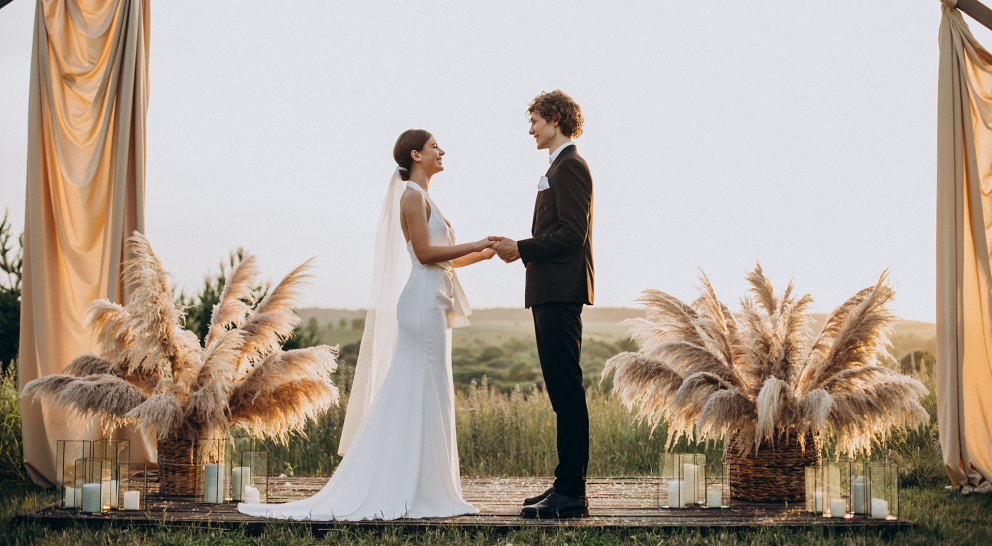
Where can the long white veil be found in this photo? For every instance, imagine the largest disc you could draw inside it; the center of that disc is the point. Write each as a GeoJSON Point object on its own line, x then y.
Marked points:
{"type": "Point", "coordinates": [390, 269]}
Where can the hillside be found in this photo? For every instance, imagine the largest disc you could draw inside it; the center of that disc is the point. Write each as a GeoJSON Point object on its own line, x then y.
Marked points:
{"type": "Point", "coordinates": [499, 325]}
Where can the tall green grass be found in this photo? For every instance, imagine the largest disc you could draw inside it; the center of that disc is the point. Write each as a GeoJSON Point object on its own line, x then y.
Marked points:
{"type": "Point", "coordinates": [917, 451]}
{"type": "Point", "coordinates": [11, 449]}
{"type": "Point", "coordinates": [514, 434]}
{"type": "Point", "coordinates": [503, 434]}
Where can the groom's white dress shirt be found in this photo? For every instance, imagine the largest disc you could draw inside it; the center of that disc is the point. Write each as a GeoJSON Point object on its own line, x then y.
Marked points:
{"type": "Point", "coordinates": [543, 183]}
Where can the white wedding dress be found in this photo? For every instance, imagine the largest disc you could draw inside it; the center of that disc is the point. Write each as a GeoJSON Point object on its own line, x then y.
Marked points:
{"type": "Point", "coordinates": [403, 460]}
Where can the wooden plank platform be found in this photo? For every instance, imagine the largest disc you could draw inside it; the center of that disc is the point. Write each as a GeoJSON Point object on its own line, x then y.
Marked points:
{"type": "Point", "coordinates": [613, 502]}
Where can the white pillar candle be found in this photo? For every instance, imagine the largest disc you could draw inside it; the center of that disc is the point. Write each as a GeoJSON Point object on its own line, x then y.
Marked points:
{"type": "Point", "coordinates": [879, 509]}
{"type": "Point", "coordinates": [689, 488]}
{"type": "Point", "coordinates": [714, 497]}
{"type": "Point", "coordinates": [70, 497]}
{"type": "Point", "coordinates": [91, 497]}
{"type": "Point", "coordinates": [858, 495]}
{"type": "Point", "coordinates": [210, 484]}
{"type": "Point", "coordinates": [818, 502]}
{"type": "Point", "coordinates": [838, 508]}
{"type": "Point", "coordinates": [131, 500]}
{"type": "Point", "coordinates": [675, 494]}
{"type": "Point", "coordinates": [240, 478]}
{"type": "Point", "coordinates": [251, 495]}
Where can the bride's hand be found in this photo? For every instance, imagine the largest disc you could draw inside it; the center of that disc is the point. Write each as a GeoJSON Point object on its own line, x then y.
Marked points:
{"type": "Point", "coordinates": [488, 253]}
{"type": "Point", "coordinates": [482, 245]}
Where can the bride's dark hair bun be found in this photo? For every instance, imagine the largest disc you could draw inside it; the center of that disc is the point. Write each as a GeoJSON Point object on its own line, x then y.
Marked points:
{"type": "Point", "coordinates": [410, 140]}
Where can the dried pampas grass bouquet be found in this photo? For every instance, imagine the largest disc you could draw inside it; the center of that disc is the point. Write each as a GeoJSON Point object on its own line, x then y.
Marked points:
{"type": "Point", "coordinates": [152, 372]}
{"type": "Point", "coordinates": [761, 382]}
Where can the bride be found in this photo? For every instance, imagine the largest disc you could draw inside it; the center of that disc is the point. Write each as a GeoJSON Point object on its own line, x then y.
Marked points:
{"type": "Point", "coordinates": [400, 457]}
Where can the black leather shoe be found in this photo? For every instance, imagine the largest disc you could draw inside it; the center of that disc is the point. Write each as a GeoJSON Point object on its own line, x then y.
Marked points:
{"type": "Point", "coordinates": [534, 500]}
{"type": "Point", "coordinates": [557, 506]}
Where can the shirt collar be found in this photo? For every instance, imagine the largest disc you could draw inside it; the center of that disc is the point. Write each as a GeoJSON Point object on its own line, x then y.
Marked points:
{"type": "Point", "coordinates": [557, 152]}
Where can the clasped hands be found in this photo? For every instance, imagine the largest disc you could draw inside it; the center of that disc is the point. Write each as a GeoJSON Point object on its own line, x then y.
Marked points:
{"type": "Point", "coordinates": [504, 247]}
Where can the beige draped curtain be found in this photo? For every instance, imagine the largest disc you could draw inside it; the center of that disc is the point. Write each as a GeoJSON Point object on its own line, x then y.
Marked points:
{"type": "Point", "coordinates": [85, 196]}
{"type": "Point", "coordinates": [964, 263]}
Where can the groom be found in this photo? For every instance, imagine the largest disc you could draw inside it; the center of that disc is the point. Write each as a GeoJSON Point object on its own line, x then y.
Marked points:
{"type": "Point", "coordinates": [559, 282]}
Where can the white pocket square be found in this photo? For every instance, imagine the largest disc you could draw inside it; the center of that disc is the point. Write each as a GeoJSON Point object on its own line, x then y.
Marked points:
{"type": "Point", "coordinates": [543, 184]}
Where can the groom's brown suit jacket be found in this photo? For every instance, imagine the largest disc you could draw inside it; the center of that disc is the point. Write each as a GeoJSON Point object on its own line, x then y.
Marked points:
{"type": "Point", "coordinates": [559, 256]}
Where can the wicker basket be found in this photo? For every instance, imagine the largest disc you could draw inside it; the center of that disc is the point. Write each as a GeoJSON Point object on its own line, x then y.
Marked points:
{"type": "Point", "coordinates": [175, 467]}
{"type": "Point", "coordinates": [775, 473]}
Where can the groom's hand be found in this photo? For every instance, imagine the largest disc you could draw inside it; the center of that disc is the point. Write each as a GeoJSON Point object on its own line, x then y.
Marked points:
{"type": "Point", "coordinates": [506, 249]}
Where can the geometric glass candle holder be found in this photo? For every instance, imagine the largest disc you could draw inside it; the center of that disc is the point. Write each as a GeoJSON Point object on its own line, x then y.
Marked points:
{"type": "Point", "coordinates": [828, 489]}
{"type": "Point", "coordinates": [239, 445]}
{"type": "Point", "coordinates": [210, 470]}
{"type": "Point", "coordinates": [250, 479]}
{"type": "Point", "coordinates": [118, 452]}
{"type": "Point", "coordinates": [683, 480]}
{"type": "Point", "coordinates": [882, 491]}
{"type": "Point", "coordinates": [718, 485]}
{"type": "Point", "coordinates": [132, 486]}
{"type": "Point", "coordinates": [837, 491]}
{"type": "Point", "coordinates": [66, 453]}
{"type": "Point", "coordinates": [814, 489]}
{"type": "Point", "coordinates": [860, 499]}
{"type": "Point", "coordinates": [93, 481]}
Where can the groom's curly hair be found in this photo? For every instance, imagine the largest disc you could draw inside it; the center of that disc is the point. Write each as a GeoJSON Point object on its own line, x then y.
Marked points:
{"type": "Point", "coordinates": [557, 106]}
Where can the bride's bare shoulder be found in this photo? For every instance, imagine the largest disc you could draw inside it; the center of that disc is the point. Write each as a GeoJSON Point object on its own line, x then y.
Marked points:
{"type": "Point", "coordinates": [411, 196]}
{"type": "Point", "coordinates": [412, 200]}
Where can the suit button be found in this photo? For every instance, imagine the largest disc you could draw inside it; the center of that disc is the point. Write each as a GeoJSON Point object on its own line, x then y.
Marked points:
{"type": "Point", "coordinates": [545, 207]}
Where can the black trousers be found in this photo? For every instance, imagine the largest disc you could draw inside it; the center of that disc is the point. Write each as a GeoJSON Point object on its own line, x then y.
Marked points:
{"type": "Point", "coordinates": [558, 326]}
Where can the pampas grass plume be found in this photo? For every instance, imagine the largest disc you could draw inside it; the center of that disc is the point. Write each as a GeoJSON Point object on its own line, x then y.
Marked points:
{"type": "Point", "coordinates": [752, 378]}
{"type": "Point", "coordinates": [154, 373]}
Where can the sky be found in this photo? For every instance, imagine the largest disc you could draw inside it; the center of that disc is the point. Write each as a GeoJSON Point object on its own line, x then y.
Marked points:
{"type": "Point", "coordinates": [719, 134]}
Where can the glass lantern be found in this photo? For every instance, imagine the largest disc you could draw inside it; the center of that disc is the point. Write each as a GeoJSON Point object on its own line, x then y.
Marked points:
{"type": "Point", "coordinates": [837, 502]}
{"type": "Point", "coordinates": [94, 484]}
{"type": "Point", "coordinates": [860, 504]}
{"type": "Point", "coordinates": [828, 488]}
{"type": "Point", "coordinates": [250, 479]}
{"type": "Point", "coordinates": [210, 470]}
{"type": "Point", "coordinates": [239, 444]}
{"type": "Point", "coordinates": [683, 480]}
{"type": "Point", "coordinates": [132, 486]}
{"type": "Point", "coordinates": [882, 491]}
{"type": "Point", "coordinates": [815, 490]}
{"type": "Point", "coordinates": [66, 454]}
{"type": "Point", "coordinates": [718, 485]}
{"type": "Point", "coordinates": [118, 452]}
